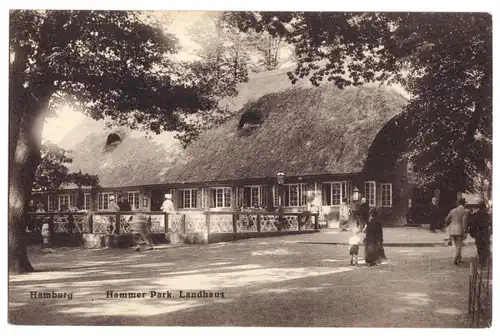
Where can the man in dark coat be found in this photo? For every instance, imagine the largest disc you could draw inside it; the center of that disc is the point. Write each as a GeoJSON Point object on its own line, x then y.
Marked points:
{"type": "Point", "coordinates": [480, 230]}
{"type": "Point", "coordinates": [433, 215]}
{"type": "Point", "coordinates": [364, 214]}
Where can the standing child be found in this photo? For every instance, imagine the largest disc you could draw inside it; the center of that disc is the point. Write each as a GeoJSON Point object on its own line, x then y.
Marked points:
{"type": "Point", "coordinates": [354, 242]}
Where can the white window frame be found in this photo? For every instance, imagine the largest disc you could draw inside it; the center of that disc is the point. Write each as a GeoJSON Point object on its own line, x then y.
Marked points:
{"type": "Point", "coordinates": [253, 198]}
{"type": "Point", "coordinates": [205, 198]}
{"type": "Point", "coordinates": [371, 201]}
{"type": "Point", "coordinates": [104, 204]}
{"type": "Point", "coordinates": [86, 196]}
{"type": "Point", "coordinates": [70, 197]}
{"type": "Point", "coordinates": [52, 200]}
{"type": "Point", "coordinates": [192, 194]}
{"type": "Point", "coordinates": [341, 185]}
{"type": "Point", "coordinates": [301, 190]}
{"type": "Point", "coordinates": [136, 196]}
{"type": "Point", "coordinates": [258, 197]}
{"type": "Point", "coordinates": [382, 187]}
{"type": "Point", "coordinates": [224, 198]}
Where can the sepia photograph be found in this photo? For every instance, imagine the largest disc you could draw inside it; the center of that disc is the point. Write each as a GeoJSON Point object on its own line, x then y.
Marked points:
{"type": "Point", "coordinates": [250, 168]}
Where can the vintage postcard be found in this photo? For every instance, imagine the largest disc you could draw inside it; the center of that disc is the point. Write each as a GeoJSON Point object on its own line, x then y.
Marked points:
{"type": "Point", "coordinates": [250, 169]}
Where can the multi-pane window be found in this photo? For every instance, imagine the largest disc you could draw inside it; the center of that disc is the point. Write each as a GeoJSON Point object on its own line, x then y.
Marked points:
{"type": "Point", "coordinates": [293, 195]}
{"type": "Point", "coordinates": [188, 199]}
{"type": "Point", "coordinates": [62, 200]}
{"type": "Point", "coordinates": [205, 198]}
{"type": "Point", "coordinates": [334, 192]}
{"type": "Point", "coordinates": [220, 198]}
{"type": "Point", "coordinates": [66, 201]}
{"type": "Point", "coordinates": [103, 200]}
{"type": "Point", "coordinates": [370, 193]}
{"type": "Point", "coordinates": [86, 203]}
{"type": "Point", "coordinates": [52, 206]}
{"type": "Point", "coordinates": [252, 196]}
{"type": "Point", "coordinates": [386, 194]}
{"type": "Point", "coordinates": [133, 198]}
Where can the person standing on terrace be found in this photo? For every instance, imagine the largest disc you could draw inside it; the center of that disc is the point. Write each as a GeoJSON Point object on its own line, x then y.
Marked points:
{"type": "Point", "coordinates": [168, 205]}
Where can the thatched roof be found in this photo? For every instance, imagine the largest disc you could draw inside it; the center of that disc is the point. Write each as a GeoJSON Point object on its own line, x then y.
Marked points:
{"type": "Point", "coordinates": [138, 160]}
{"type": "Point", "coordinates": [305, 131]}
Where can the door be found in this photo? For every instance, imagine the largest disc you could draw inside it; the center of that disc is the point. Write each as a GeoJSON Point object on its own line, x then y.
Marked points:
{"type": "Point", "coordinates": [157, 197]}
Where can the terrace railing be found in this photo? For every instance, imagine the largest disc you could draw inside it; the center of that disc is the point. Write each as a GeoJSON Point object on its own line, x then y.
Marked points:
{"type": "Point", "coordinates": [99, 222]}
{"type": "Point", "coordinates": [160, 222]}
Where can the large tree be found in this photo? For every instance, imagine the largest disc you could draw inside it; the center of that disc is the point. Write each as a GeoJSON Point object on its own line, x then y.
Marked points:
{"type": "Point", "coordinates": [108, 63]}
{"type": "Point", "coordinates": [221, 62]}
{"type": "Point", "coordinates": [443, 60]}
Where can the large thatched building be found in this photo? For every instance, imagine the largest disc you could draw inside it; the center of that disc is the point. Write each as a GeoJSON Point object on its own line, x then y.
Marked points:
{"type": "Point", "coordinates": [327, 141]}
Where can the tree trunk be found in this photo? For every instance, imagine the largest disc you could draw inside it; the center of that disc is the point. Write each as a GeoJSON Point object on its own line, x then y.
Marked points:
{"type": "Point", "coordinates": [25, 130]}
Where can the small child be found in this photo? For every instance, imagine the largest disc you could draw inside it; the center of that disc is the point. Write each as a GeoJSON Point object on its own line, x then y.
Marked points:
{"type": "Point", "coordinates": [354, 242]}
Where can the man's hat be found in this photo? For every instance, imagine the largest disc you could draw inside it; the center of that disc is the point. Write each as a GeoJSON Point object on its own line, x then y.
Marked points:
{"type": "Point", "coordinates": [111, 198]}
{"type": "Point", "coordinates": [168, 196]}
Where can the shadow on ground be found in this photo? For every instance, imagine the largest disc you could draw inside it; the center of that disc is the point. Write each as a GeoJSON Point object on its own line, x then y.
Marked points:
{"type": "Point", "coordinates": [270, 283]}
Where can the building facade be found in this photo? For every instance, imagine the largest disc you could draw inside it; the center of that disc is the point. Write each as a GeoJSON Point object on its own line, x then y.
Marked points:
{"type": "Point", "coordinates": [326, 141]}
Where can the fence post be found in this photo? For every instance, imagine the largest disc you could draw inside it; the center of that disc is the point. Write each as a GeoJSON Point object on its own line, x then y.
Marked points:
{"type": "Point", "coordinates": [91, 223]}
{"type": "Point", "coordinates": [117, 223]}
{"type": "Point", "coordinates": [479, 309]}
{"type": "Point", "coordinates": [316, 224]}
{"type": "Point", "coordinates": [207, 221]}
{"type": "Point", "coordinates": [299, 222]}
{"type": "Point", "coordinates": [234, 223]}
{"type": "Point", "coordinates": [470, 287]}
{"type": "Point", "coordinates": [258, 223]}
{"type": "Point", "coordinates": [474, 281]}
{"type": "Point", "coordinates": [183, 224]}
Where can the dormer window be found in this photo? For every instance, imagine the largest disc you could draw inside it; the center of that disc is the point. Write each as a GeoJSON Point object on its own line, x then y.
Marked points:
{"type": "Point", "coordinates": [250, 121]}
{"type": "Point", "coordinates": [113, 139]}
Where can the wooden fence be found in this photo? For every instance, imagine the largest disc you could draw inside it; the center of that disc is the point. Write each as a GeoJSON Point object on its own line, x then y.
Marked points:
{"type": "Point", "coordinates": [480, 294]}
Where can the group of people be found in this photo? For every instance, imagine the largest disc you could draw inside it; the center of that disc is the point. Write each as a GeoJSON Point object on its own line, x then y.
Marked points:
{"type": "Point", "coordinates": [373, 241]}
{"type": "Point", "coordinates": [459, 222]}
{"type": "Point", "coordinates": [478, 224]}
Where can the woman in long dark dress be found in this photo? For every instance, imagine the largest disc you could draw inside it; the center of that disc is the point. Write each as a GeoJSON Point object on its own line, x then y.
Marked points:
{"type": "Point", "coordinates": [374, 250]}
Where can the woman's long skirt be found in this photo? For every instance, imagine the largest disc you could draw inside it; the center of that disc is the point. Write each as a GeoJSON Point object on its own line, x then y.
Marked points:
{"type": "Point", "coordinates": [374, 252]}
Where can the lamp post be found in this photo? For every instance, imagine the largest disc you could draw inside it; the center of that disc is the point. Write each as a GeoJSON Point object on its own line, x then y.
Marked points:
{"type": "Point", "coordinates": [280, 178]}
{"type": "Point", "coordinates": [355, 204]}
